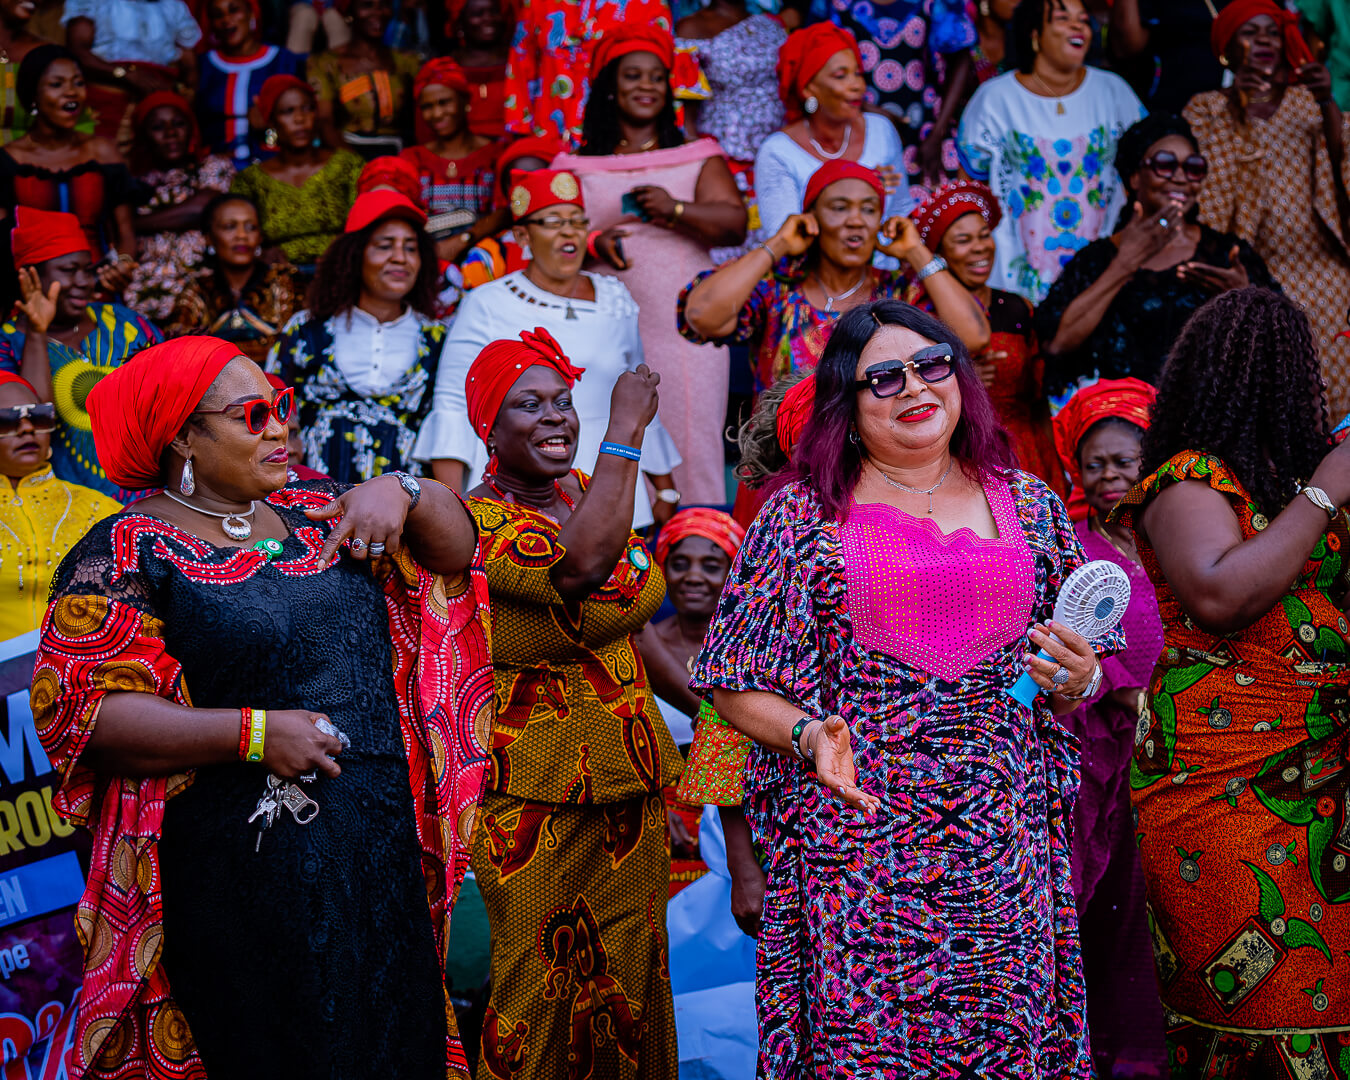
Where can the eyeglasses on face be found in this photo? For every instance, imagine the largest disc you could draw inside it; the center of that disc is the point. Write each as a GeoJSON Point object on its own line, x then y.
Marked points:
{"type": "Point", "coordinates": [1164, 165]}
{"type": "Point", "coordinates": [932, 364]}
{"type": "Point", "coordinates": [554, 223]}
{"type": "Point", "coordinates": [256, 410]}
{"type": "Point", "coordinates": [42, 417]}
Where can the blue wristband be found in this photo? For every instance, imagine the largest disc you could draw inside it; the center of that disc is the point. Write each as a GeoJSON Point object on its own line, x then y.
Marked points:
{"type": "Point", "coordinates": [619, 450]}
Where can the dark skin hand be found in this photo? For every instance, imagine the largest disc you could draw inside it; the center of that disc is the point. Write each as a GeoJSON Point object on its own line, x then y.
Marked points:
{"type": "Point", "coordinates": [54, 305]}
{"type": "Point", "coordinates": [747, 877]}
{"type": "Point", "coordinates": [167, 133]}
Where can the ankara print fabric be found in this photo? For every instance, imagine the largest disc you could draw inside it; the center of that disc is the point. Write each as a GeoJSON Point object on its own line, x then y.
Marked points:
{"type": "Point", "coordinates": [1241, 789]}
{"type": "Point", "coordinates": [940, 938]}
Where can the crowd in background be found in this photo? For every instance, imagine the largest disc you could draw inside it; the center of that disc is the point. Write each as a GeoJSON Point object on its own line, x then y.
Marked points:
{"type": "Point", "coordinates": [363, 196]}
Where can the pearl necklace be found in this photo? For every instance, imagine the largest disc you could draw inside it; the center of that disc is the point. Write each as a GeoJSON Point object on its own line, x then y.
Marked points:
{"type": "Point", "coordinates": [826, 154]}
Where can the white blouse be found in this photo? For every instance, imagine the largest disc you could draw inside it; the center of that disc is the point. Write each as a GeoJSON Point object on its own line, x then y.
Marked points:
{"type": "Point", "coordinates": [372, 355]}
{"type": "Point", "coordinates": [600, 336]}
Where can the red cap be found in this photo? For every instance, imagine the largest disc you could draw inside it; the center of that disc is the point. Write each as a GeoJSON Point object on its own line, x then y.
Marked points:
{"type": "Point", "coordinates": [834, 171]}
{"type": "Point", "coordinates": [533, 191]}
{"type": "Point", "coordinates": [273, 88]}
{"type": "Point", "coordinates": [373, 206]}
{"type": "Point", "coordinates": [631, 38]}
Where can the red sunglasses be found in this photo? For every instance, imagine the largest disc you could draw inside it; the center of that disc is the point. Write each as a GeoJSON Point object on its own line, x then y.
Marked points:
{"type": "Point", "coordinates": [257, 410]}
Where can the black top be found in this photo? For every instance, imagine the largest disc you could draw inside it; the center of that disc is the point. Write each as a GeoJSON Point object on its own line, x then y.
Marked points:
{"type": "Point", "coordinates": [1177, 63]}
{"type": "Point", "coordinates": [313, 957]}
{"type": "Point", "coordinates": [1138, 329]}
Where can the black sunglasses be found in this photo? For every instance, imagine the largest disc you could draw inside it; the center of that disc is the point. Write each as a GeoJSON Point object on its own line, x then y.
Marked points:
{"type": "Point", "coordinates": [1164, 165]}
{"type": "Point", "coordinates": [886, 379]}
{"type": "Point", "coordinates": [42, 417]}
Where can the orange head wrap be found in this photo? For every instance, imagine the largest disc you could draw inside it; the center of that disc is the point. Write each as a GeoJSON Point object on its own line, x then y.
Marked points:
{"type": "Point", "coordinates": [793, 412]}
{"type": "Point", "coordinates": [802, 56]}
{"type": "Point", "coordinates": [1233, 15]}
{"type": "Point", "coordinates": [40, 235]}
{"type": "Point", "coordinates": [136, 410]}
{"type": "Point", "coordinates": [1122, 399]}
{"type": "Point", "coordinates": [631, 38]}
{"type": "Point", "coordinates": [272, 89]}
{"type": "Point", "coordinates": [500, 364]}
{"type": "Point", "coordinates": [441, 71]}
{"type": "Point", "coordinates": [712, 525]}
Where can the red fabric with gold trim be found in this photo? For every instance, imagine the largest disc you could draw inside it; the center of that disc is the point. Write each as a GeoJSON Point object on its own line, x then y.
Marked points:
{"type": "Point", "coordinates": [949, 202]}
{"type": "Point", "coordinates": [1125, 399]}
{"type": "Point", "coordinates": [631, 38]}
{"type": "Point", "coordinates": [91, 645]}
{"type": "Point", "coordinates": [500, 364]}
{"type": "Point", "coordinates": [801, 58]}
{"type": "Point", "coordinates": [794, 411]}
{"type": "Point", "coordinates": [714, 525]}
{"type": "Point", "coordinates": [542, 188]}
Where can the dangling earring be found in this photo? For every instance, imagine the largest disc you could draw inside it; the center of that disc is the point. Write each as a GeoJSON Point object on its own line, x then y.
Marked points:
{"type": "Point", "coordinates": [525, 252]}
{"type": "Point", "coordinates": [257, 252]}
{"type": "Point", "coordinates": [811, 105]}
{"type": "Point", "coordinates": [188, 483]}
{"type": "Point", "coordinates": [211, 250]}
{"type": "Point", "coordinates": [853, 436]}
{"type": "Point", "coordinates": [1036, 44]}
{"type": "Point", "coordinates": [270, 138]}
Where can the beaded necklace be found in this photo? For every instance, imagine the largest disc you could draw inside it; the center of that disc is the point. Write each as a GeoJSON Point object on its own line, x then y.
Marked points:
{"type": "Point", "coordinates": [490, 479]}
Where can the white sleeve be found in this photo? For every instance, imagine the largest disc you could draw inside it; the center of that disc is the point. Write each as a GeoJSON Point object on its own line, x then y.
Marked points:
{"type": "Point", "coordinates": [778, 191]}
{"type": "Point", "coordinates": [979, 133]}
{"type": "Point", "coordinates": [446, 432]}
{"type": "Point", "coordinates": [892, 152]}
{"type": "Point", "coordinates": [659, 455]}
{"type": "Point", "coordinates": [186, 31]}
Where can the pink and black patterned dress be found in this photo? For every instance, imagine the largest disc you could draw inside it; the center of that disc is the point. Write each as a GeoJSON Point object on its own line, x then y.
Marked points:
{"type": "Point", "coordinates": [941, 938]}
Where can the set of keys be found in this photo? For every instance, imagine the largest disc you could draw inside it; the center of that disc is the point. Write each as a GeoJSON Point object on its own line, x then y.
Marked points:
{"type": "Point", "coordinates": [288, 795]}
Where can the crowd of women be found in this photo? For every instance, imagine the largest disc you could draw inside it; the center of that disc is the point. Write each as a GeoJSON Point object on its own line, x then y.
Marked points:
{"type": "Point", "coordinates": [505, 410]}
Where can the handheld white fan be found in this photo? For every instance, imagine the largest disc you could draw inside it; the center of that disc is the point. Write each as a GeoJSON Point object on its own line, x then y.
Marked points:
{"type": "Point", "coordinates": [1091, 602]}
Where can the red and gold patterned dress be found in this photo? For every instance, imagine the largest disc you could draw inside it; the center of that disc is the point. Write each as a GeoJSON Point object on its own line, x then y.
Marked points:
{"type": "Point", "coordinates": [1241, 787]}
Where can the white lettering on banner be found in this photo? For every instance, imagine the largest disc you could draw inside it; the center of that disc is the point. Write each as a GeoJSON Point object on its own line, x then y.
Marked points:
{"type": "Point", "coordinates": [22, 735]}
{"type": "Point", "coordinates": [12, 902]}
{"type": "Point", "coordinates": [12, 960]}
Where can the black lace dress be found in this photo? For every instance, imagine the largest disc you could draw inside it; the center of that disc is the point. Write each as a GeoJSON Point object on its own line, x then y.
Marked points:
{"type": "Point", "coordinates": [313, 956]}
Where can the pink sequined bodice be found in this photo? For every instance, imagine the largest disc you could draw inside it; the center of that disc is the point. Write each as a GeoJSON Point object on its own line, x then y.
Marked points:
{"type": "Point", "coordinates": [936, 601]}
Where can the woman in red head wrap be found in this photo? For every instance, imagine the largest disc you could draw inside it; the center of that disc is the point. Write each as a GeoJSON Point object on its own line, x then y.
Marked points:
{"type": "Point", "coordinates": [1278, 129]}
{"type": "Point", "coordinates": [259, 628]}
{"type": "Point", "coordinates": [581, 752]}
{"type": "Point", "coordinates": [783, 296]}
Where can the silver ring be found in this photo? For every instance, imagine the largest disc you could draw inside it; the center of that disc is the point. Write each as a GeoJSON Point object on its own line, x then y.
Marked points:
{"type": "Point", "coordinates": [358, 544]}
{"type": "Point", "coordinates": [377, 548]}
{"type": "Point", "coordinates": [1061, 676]}
{"type": "Point", "coordinates": [1162, 223]}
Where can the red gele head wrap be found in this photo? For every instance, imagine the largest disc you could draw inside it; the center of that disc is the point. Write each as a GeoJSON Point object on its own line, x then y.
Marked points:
{"type": "Point", "coordinates": [168, 99]}
{"type": "Point", "coordinates": [834, 171]}
{"type": "Point", "coordinates": [440, 72]}
{"type": "Point", "coordinates": [1233, 15]}
{"type": "Point", "coordinates": [137, 409]}
{"type": "Point", "coordinates": [273, 88]}
{"type": "Point", "coordinates": [793, 412]}
{"type": "Point", "coordinates": [538, 190]}
{"type": "Point", "coordinates": [543, 147]}
{"type": "Point", "coordinates": [500, 364]}
{"type": "Point", "coordinates": [632, 38]}
{"type": "Point", "coordinates": [391, 172]}
{"type": "Point", "coordinates": [7, 377]}
{"type": "Point", "coordinates": [40, 235]}
{"type": "Point", "coordinates": [952, 201]}
{"type": "Point", "coordinates": [1124, 399]}
{"type": "Point", "coordinates": [801, 58]}
{"type": "Point", "coordinates": [712, 525]}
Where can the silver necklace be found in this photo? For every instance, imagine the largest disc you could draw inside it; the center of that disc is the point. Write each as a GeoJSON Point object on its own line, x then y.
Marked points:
{"type": "Point", "coordinates": [917, 491]}
{"type": "Point", "coordinates": [235, 526]}
{"type": "Point", "coordinates": [829, 300]}
{"type": "Point", "coordinates": [848, 132]}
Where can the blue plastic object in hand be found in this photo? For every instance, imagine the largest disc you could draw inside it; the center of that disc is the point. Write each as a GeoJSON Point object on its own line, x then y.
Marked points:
{"type": "Point", "coordinates": [1027, 688]}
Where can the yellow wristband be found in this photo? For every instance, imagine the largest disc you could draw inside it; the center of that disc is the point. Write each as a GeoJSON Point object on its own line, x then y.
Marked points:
{"type": "Point", "coordinates": [257, 732]}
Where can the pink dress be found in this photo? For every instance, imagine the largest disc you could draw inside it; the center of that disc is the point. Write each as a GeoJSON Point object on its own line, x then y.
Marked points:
{"type": "Point", "coordinates": [662, 261]}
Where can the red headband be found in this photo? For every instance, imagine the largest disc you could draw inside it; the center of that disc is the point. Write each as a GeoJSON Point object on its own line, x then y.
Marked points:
{"type": "Point", "coordinates": [40, 235]}
{"type": "Point", "coordinates": [712, 525]}
{"type": "Point", "coordinates": [500, 364]}
{"type": "Point", "coordinates": [533, 191]}
{"type": "Point", "coordinates": [1123, 399]}
{"type": "Point", "coordinates": [273, 88]}
{"type": "Point", "coordinates": [834, 171]}
{"type": "Point", "coordinates": [1233, 15]}
{"type": "Point", "coordinates": [631, 38]}
{"type": "Point", "coordinates": [440, 72]}
{"type": "Point", "coordinates": [137, 409]}
{"type": "Point", "coordinates": [7, 377]}
{"type": "Point", "coordinates": [801, 58]}
{"type": "Point", "coordinates": [952, 201]}
{"type": "Point", "coordinates": [793, 412]}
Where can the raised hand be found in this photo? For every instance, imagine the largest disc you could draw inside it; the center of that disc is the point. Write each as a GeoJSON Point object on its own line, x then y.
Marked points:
{"type": "Point", "coordinates": [38, 307]}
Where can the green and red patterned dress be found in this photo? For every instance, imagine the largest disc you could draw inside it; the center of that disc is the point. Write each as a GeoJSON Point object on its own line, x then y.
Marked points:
{"type": "Point", "coordinates": [1241, 790]}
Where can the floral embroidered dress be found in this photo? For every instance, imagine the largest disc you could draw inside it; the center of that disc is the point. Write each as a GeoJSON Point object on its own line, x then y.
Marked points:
{"type": "Point", "coordinates": [167, 260]}
{"type": "Point", "coordinates": [1051, 163]}
{"type": "Point", "coordinates": [349, 436]}
{"type": "Point", "coordinates": [784, 331]}
{"type": "Point", "coordinates": [1241, 791]}
{"type": "Point", "coordinates": [939, 938]}
{"type": "Point", "coordinates": [140, 606]}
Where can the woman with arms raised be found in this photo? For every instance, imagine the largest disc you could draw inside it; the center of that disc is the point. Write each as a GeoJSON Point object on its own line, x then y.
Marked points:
{"type": "Point", "coordinates": [918, 914]}
{"type": "Point", "coordinates": [206, 657]}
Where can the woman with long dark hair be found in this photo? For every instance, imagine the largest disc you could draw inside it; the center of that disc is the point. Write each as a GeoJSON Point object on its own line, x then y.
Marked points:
{"type": "Point", "coordinates": [363, 357]}
{"type": "Point", "coordinates": [1240, 787]}
{"type": "Point", "coordinates": [662, 203]}
{"type": "Point", "coordinates": [918, 913]}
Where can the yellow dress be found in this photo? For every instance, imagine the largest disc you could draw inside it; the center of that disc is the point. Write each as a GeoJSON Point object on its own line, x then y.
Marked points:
{"type": "Point", "coordinates": [40, 520]}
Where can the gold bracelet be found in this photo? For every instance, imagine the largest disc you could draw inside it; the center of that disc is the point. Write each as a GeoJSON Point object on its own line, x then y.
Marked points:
{"type": "Point", "coordinates": [679, 211]}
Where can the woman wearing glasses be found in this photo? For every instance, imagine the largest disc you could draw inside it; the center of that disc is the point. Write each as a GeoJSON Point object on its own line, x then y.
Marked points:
{"type": "Point", "coordinates": [208, 654]}
{"type": "Point", "coordinates": [41, 517]}
{"type": "Point", "coordinates": [363, 357]}
{"type": "Point", "coordinates": [1121, 302]}
{"type": "Point", "coordinates": [918, 913]}
{"type": "Point", "coordinates": [594, 319]}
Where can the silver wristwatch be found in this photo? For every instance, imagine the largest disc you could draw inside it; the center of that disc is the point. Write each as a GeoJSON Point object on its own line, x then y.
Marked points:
{"type": "Point", "coordinates": [1321, 500]}
{"type": "Point", "coordinates": [1093, 684]}
{"type": "Point", "coordinates": [411, 486]}
{"type": "Point", "coordinates": [935, 265]}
